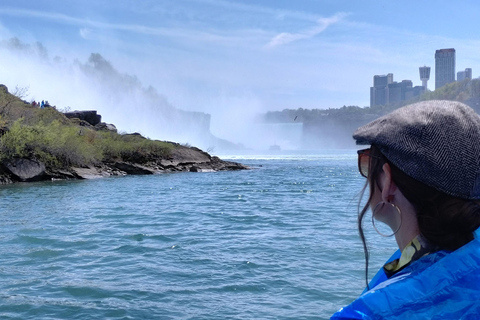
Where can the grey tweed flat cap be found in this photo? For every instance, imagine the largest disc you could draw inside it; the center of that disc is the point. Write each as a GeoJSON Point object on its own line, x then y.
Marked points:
{"type": "Point", "coordinates": [435, 142]}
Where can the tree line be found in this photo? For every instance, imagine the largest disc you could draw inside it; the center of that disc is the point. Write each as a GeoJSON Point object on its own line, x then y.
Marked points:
{"type": "Point", "coordinates": [466, 91]}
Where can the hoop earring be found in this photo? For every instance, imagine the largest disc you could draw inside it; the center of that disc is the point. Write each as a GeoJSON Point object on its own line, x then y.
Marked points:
{"type": "Point", "coordinates": [374, 211]}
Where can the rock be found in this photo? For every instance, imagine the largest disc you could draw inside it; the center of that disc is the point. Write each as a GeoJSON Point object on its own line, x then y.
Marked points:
{"type": "Point", "coordinates": [220, 165]}
{"type": "Point", "coordinates": [135, 134]}
{"type": "Point", "coordinates": [26, 169]}
{"type": "Point", "coordinates": [195, 160]}
{"type": "Point", "coordinates": [189, 155]}
{"type": "Point", "coordinates": [105, 126]}
{"type": "Point", "coordinates": [60, 174]}
{"type": "Point", "coordinates": [81, 123]}
{"type": "Point", "coordinates": [90, 173]}
{"type": "Point", "coordinates": [90, 116]}
{"type": "Point", "coordinates": [199, 169]}
{"type": "Point", "coordinates": [131, 168]}
{"type": "Point", "coordinates": [168, 163]}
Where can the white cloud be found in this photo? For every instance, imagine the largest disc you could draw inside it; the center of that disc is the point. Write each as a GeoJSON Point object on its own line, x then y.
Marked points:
{"type": "Point", "coordinates": [286, 37]}
{"type": "Point", "coordinates": [85, 33]}
{"type": "Point", "coordinates": [178, 34]}
{"type": "Point", "coordinates": [279, 14]}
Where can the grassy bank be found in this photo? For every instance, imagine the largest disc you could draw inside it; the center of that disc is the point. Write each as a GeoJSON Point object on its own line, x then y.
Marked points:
{"type": "Point", "coordinates": [47, 135]}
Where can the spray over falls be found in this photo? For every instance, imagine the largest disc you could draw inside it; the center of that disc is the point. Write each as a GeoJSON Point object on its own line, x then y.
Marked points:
{"type": "Point", "coordinates": [97, 85]}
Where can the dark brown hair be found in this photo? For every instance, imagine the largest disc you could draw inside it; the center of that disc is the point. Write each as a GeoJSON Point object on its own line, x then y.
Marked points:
{"type": "Point", "coordinates": [445, 221]}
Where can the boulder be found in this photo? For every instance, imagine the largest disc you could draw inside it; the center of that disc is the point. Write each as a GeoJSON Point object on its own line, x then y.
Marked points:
{"type": "Point", "coordinates": [181, 155]}
{"type": "Point", "coordinates": [105, 126]}
{"type": "Point", "coordinates": [89, 173]}
{"type": "Point", "coordinates": [24, 169]}
{"type": "Point", "coordinates": [81, 123]}
{"type": "Point", "coordinates": [89, 116]}
{"type": "Point", "coordinates": [132, 168]}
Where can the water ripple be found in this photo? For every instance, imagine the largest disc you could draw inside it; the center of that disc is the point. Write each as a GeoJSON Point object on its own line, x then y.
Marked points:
{"type": "Point", "coordinates": [276, 242]}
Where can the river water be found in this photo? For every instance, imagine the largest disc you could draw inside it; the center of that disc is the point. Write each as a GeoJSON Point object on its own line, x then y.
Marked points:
{"type": "Point", "coordinates": [275, 242]}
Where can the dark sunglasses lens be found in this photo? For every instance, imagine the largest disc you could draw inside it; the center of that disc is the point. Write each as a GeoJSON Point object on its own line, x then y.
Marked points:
{"type": "Point", "coordinates": [363, 162]}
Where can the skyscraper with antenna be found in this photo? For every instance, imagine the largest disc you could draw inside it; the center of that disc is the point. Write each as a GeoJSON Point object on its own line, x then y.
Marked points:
{"type": "Point", "coordinates": [424, 76]}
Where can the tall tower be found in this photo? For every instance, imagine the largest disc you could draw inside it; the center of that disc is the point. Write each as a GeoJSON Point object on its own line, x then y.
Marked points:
{"type": "Point", "coordinates": [424, 76]}
{"type": "Point", "coordinates": [444, 67]}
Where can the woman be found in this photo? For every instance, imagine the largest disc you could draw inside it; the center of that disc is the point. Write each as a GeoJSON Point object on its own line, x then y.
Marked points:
{"type": "Point", "coordinates": [423, 172]}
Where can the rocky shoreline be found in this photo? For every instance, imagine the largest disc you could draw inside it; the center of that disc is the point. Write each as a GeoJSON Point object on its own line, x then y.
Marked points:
{"type": "Point", "coordinates": [181, 159]}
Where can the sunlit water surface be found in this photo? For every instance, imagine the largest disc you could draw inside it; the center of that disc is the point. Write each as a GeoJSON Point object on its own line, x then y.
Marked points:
{"type": "Point", "coordinates": [276, 242]}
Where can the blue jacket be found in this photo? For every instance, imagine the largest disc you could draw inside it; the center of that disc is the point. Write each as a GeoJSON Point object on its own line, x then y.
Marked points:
{"type": "Point", "coordinates": [440, 285]}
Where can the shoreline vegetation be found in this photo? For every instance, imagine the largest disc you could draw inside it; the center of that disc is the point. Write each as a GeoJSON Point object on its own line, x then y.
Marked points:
{"type": "Point", "coordinates": [466, 91]}
{"type": "Point", "coordinates": [40, 144]}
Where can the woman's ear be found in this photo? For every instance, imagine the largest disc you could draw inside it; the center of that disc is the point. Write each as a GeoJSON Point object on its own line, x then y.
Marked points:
{"type": "Point", "coordinates": [389, 187]}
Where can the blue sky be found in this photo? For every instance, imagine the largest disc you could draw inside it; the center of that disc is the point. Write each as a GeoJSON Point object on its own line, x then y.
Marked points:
{"type": "Point", "coordinates": [218, 56]}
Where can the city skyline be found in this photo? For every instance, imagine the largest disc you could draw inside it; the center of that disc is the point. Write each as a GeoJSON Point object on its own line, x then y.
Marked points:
{"type": "Point", "coordinates": [385, 90]}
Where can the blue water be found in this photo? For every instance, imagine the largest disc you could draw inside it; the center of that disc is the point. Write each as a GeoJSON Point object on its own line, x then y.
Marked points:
{"type": "Point", "coordinates": [275, 242]}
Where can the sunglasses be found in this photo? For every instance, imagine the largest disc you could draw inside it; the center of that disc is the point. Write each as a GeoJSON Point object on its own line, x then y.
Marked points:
{"type": "Point", "coordinates": [363, 161]}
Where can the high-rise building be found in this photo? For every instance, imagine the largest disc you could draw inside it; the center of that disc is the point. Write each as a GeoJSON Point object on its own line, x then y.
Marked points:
{"type": "Point", "coordinates": [417, 91]}
{"type": "Point", "coordinates": [468, 73]}
{"type": "Point", "coordinates": [386, 91]}
{"type": "Point", "coordinates": [424, 76]}
{"type": "Point", "coordinates": [382, 81]}
{"type": "Point", "coordinates": [462, 75]}
{"type": "Point", "coordinates": [444, 67]}
{"type": "Point", "coordinates": [379, 91]}
{"type": "Point", "coordinates": [400, 91]}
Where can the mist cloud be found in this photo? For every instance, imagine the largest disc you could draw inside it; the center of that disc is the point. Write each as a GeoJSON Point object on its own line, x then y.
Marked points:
{"type": "Point", "coordinates": [122, 99]}
{"type": "Point", "coordinates": [92, 85]}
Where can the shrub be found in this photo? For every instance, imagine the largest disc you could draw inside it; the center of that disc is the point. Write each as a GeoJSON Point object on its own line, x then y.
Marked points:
{"type": "Point", "coordinates": [60, 145]}
{"type": "Point", "coordinates": [132, 147]}
{"type": "Point", "coordinates": [50, 137]}
{"type": "Point", "coordinates": [55, 144]}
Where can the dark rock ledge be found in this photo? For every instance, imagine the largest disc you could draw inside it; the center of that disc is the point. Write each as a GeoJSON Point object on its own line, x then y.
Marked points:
{"type": "Point", "coordinates": [181, 159]}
